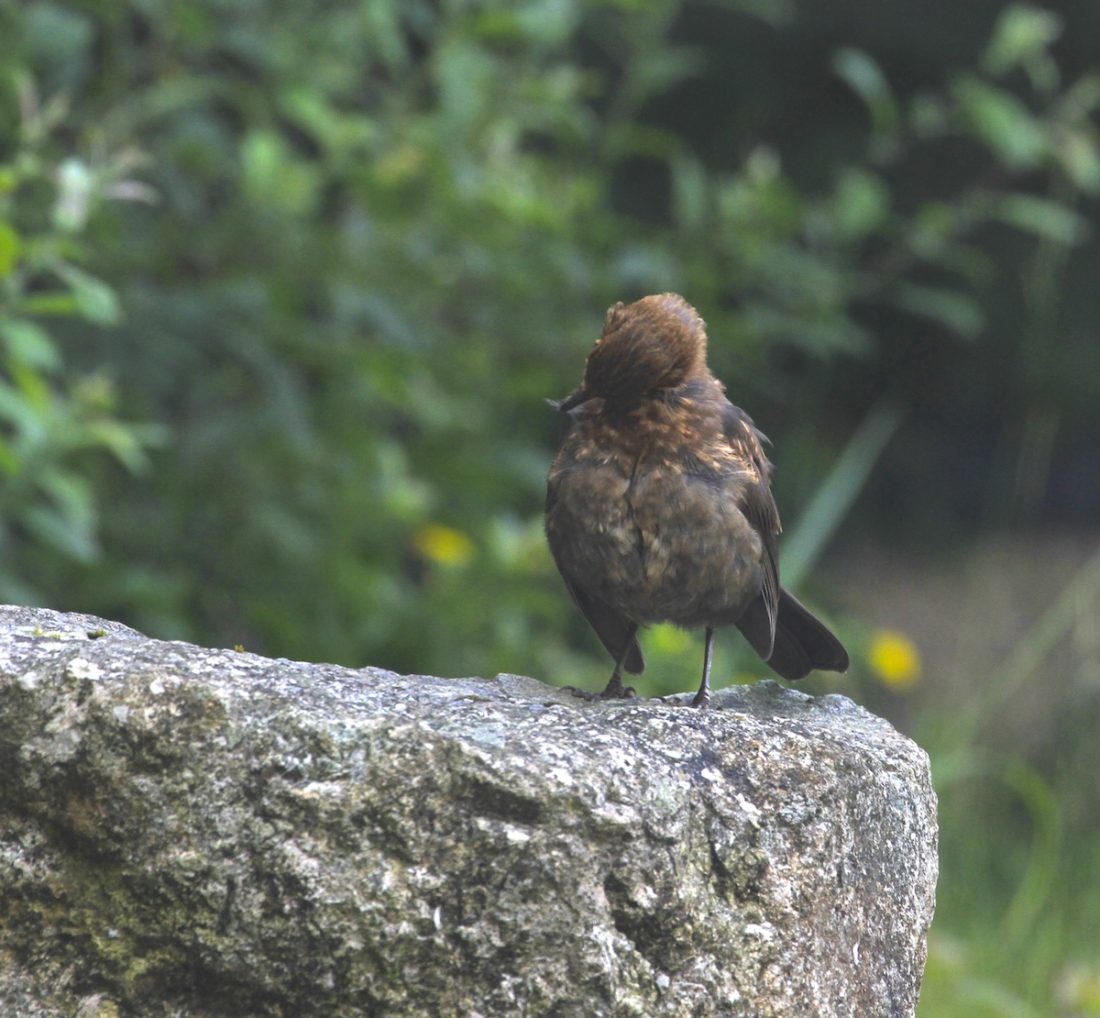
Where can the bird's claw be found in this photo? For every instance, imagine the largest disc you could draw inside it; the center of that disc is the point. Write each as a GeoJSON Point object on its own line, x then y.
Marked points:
{"type": "Point", "coordinates": [623, 693]}
{"type": "Point", "coordinates": [677, 700]}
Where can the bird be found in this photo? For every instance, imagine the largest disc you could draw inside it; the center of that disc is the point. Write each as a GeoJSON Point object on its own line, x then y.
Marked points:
{"type": "Point", "coordinates": [659, 505]}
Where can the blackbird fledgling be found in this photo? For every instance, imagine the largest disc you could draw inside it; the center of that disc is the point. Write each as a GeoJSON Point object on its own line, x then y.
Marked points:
{"type": "Point", "coordinates": [659, 504]}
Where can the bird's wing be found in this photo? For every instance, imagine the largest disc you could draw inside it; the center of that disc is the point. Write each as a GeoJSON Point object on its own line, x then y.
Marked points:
{"type": "Point", "coordinates": [758, 505]}
{"type": "Point", "coordinates": [613, 628]}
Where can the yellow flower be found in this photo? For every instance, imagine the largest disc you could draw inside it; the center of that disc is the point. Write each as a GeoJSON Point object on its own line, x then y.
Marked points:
{"type": "Point", "coordinates": [894, 658]}
{"type": "Point", "coordinates": [443, 545]}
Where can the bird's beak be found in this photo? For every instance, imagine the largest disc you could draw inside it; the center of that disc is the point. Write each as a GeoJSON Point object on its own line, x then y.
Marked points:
{"type": "Point", "coordinates": [582, 395]}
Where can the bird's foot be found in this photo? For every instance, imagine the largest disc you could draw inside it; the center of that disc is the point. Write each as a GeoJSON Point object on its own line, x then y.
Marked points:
{"type": "Point", "coordinates": [677, 699]}
{"type": "Point", "coordinates": [616, 690]}
{"type": "Point", "coordinates": [621, 693]}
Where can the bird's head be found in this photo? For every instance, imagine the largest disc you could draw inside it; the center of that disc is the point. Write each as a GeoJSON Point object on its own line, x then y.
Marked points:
{"type": "Point", "coordinates": [656, 343]}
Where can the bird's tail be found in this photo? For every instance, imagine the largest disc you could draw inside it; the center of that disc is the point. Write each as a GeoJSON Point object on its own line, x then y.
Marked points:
{"type": "Point", "coordinates": [803, 642]}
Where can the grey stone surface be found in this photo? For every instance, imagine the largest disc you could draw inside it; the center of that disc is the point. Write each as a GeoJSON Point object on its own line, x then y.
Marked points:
{"type": "Point", "coordinates": [201, 832]}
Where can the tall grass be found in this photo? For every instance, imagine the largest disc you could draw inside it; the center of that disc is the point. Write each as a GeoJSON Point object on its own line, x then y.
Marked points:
{"type": "Point", "coordinates": [1017, 932]}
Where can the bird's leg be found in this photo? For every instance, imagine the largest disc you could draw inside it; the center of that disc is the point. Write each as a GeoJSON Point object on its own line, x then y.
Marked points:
{"type": "Point", "coordinates": [702, 698]}
{"type": "Point", "coordinates": [615, 689]}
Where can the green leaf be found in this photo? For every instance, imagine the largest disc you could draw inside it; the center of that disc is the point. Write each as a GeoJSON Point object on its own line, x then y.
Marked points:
{"type": "Point", "coordinates": [18, 411]}
{"type": "Point", "coordinates": [57, 303]}
{"type": "Point", "coordinates": [95, 300]}
{"type": "Point", "coordinates": [1077, 104]}
{"type": "Point", "coordinates": [861, 203]}
{"type": "Point", "coordinates": [73, 537]}
{"type": "Point", "coordinates": [832, 500]}
{"type": "Point", "coordinates": [1079, 156]}
{"type": "Point", "coordinates": [999, 119]}
{"type": "Point", "coordinates": [10, 464]}
{"type": "Point", "coordinates": [958, 313]}
{"type": "Point", "coordinates": [28, 343]}
{"type": "Point", "coordinates": [860, 72]}
{"type": "Point", "coordinates": [33, 387]}
{"type": "Point", "coordinates": [10, 247]}
{"type": "Point", "coordinates": [664, 67]}
{"type": "Point", "coordinates": [338, 132]}
{"type": "Point", "coordinates": [1022, 33]}
{"type": "Point", "coordinates": [1041, 216]}
{"type": "Point", "coordinates": [75, 186]}
{"type": "Point", "coordinates": [273, 178]}
{"type": "Point", "coordinates": [121, 440]}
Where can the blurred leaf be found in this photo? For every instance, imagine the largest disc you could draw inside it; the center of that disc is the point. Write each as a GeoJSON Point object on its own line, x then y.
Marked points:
{"type": "Point", "coordinates": [861, 203]}
{"type": "Point", "coordinates": [667, 66]}
{"type": "Point", "coordinates": [10, 463]}
{"type": "Point", "coordinates": [1002, 122]}
{"type": "Point", "coordinates": [1041, 216]}
{"type": "Point", "coordinates": [1075, 106]}
{"type": "Point", "coordinates": [1033, 890]}
{"type": "Point", "coordinates": [339, 133]}
{"type": "Point", "coordinates": [973, 264]}
{"type": "Point", "coordinates": [33, 387]}
{"type": "Point", "coordinates": [1039, 640]}
{"type": "Point", "coordinates": [30, 344]}
{"type": "Point", "coordinates": [273, 178]}
{"type": "Point", "coordinates": [75, 185]}
{"type": "Point", "coordinates": [1022, 33]}
{"type": "Point", "coordinates": [94, 299]}
{"type": "Point", "coordinates": [126, 442]}
{"type": "Point", "coordinates": [864, 76]}
{"type": "Point", "coordinates": [71, 536]}
{"type": "Point", "coordinates": [18, 411]}
{"type": "Point", "coordinates": [464, 72]}
{"type": "Point", "coordinates": [50, 303]}
{"type": "Point", "coordinates": [958, 313]}
{"type": "Point", "coordinates": [834, 497]}
{"type": "Point", "coordinates": [1079, 155]}
{"type": "Point", "coordinates": [10, 247]}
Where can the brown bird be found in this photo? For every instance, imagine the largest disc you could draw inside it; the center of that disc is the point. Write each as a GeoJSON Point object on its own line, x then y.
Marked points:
{"type": "Point", "coordinates": [659, 504]}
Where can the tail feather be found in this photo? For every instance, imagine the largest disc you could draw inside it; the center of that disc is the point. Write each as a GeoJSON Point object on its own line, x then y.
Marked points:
{"type": "Point", "coordinates": [803, 642]}
{"type": "Point", "coordinates": [758, 627]}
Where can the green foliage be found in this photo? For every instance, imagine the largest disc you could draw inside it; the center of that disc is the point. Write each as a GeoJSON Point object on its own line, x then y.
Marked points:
{"type": "Point", "coordinates": [53, 419]}
{"type": "Point", "coordinates": [385, 233]}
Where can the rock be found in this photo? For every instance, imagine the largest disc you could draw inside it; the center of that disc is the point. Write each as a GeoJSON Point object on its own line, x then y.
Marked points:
{"type": "Point", "coordinates": [210, 833]}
